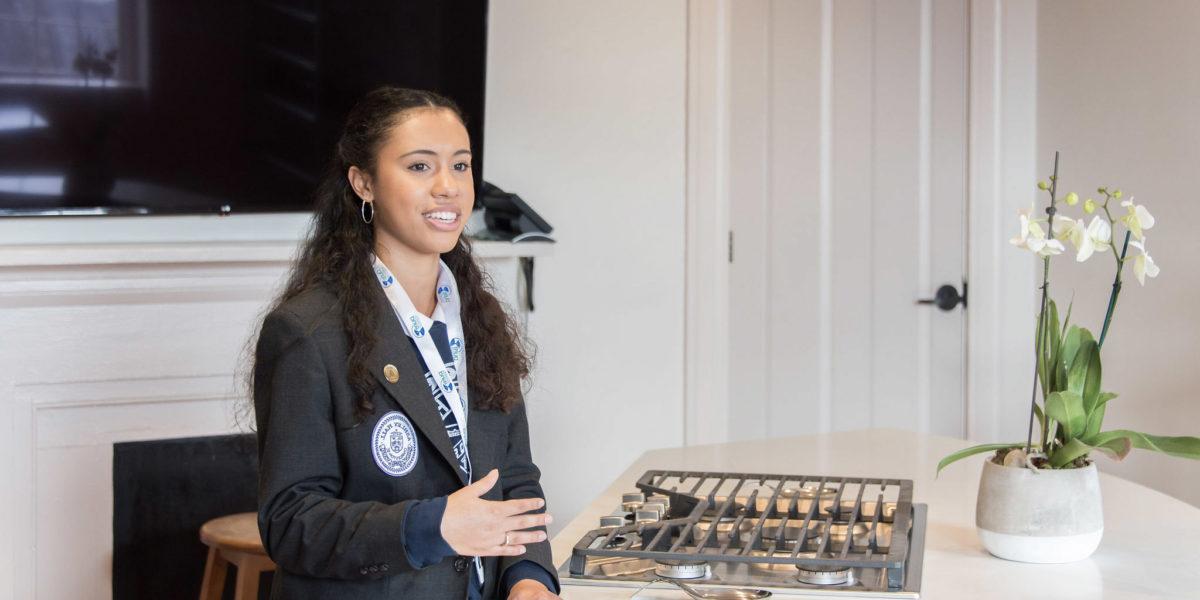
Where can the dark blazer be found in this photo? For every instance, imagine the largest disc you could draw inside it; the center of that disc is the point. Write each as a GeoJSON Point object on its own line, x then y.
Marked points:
{"type": "Point", "coordinates": [330, 518]}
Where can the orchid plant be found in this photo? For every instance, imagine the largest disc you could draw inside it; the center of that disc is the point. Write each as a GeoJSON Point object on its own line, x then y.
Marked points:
{"type": "Point", "coordinates": [1070, 412]}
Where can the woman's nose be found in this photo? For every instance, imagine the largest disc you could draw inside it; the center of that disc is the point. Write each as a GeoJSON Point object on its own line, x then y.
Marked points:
{"type": "Point", "coordinates": [445, 185]}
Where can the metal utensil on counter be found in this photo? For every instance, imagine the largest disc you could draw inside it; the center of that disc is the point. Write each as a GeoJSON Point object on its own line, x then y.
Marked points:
{"type": "Point", "coordinates": [718, 594]}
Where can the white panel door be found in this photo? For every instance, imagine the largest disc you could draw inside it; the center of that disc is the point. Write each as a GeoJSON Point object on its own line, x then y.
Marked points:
{"type": "Point", "coordinates": [847, 187]}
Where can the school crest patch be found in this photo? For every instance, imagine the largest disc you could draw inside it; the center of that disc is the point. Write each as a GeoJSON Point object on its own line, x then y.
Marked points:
{"type": "Point", "coordinates": [394, 444]}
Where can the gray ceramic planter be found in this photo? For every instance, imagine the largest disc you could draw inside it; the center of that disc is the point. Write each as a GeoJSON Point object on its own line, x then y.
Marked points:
{"type": "Point", "coordinates": [1045, 516]}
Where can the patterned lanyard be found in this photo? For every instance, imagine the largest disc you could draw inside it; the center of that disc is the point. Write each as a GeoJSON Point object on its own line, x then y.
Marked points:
{"type": "Point", "coordinates": [437, 331]}
{"type": "Point", "coordinates": [416, 327]}
{"type": "Point", "coordinates": [447, 381]}
{"type": "Point", "coordinates": [450, 378]}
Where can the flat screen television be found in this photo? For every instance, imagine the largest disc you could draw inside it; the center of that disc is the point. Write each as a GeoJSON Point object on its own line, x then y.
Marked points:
{"type": "Point", "coordinates": [129, 107]}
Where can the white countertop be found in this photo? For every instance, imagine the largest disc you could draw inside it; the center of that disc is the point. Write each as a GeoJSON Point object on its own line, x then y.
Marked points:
{"type": "Point", "coordinates": [1150, 547]}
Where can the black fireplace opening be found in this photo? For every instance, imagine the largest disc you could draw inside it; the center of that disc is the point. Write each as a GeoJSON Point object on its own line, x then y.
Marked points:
{"type": "Point", "coordinates": [163, 491]}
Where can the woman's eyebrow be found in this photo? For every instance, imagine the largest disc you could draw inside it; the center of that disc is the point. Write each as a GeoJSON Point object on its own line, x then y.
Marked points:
{"type": "Point", "coordinates": [432, 153]}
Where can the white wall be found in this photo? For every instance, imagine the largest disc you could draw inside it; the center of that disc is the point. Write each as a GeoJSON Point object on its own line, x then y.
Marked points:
{"type": "Point", "coordinates": [586, 109]}
{"type": "Point", "coordinates": [1118, 85]}
{"type": "Point", "coordinates": [586, 121]}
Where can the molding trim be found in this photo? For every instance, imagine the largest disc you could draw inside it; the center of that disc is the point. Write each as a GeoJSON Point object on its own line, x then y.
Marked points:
{"type": "Point", "coordinates": [59, 255]}
{"type": "Point", "coordinates": [1002, 148]}
{"type": "Point", "coordinates": [706, 269]}
{"type": "Point", "coordinates": [26, 256]}
{"type": "Point", "coordinates": [24, 403]}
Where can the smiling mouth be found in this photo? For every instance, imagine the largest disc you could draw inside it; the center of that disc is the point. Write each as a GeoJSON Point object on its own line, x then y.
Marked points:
{"type": "Point", "coordinates": [441, 216]}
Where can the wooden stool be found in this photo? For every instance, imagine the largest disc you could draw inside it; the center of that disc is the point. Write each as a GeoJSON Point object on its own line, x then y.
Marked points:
{"type": "Point", "coordinates": [233, 539]}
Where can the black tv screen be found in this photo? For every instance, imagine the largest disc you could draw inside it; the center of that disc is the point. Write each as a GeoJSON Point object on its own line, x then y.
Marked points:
{"type": "Point", "coordinates": [206, 106]}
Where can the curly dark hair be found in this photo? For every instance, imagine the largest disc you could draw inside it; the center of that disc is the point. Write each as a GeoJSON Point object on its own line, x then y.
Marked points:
{"type": "Point", "coordinates": [337, 254]}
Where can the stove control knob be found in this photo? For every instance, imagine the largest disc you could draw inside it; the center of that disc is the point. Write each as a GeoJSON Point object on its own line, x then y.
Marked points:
{"type": "Point", "coordinates": [612, 521]}
{"type": "Point", "coordinates": [647, 516]}
{"type": "Point", "coordinates": [656, 507]}
{"type": "Point", "coordinates": [632, 502]}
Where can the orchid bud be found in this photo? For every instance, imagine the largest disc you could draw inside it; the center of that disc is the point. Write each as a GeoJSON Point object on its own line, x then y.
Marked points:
{"type": "Point", "coordinates": [1102, 190]}
{"type": "Point", "coordinates": [1117, 194]}
{"type": "Point", "coordinates": [1042, 185]}
{"type": "Point", "coordinates": [1089, 206]}
{"type": "Point", "coordinates": [1072, 199]}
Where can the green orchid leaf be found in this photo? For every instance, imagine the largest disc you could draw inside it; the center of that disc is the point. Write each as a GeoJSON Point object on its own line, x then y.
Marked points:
{"type": "Point", "coordinates": [973, 450]}
{"type": "Point", "coordinates": [1052, 334]}
{"type": "Point", "coordinates": [1091, 385]}
{"type": "Point", "coordinates": [1059, 379]}
{"type": "Point", "coordinates": [1095, 418]}
{"type": "Point", "coordinates": [1081, 365]}
{"type": "Point", "coordinates": [1182, 446]}
{"type": "Point", "coordinates": [1037, 412]}
{"type": "Point", "coordinates": [1043, 382]}
{"type": "Point", "coordinates": [1066, 407]}
{"type": "Point", "coordinates": [1067, 319]}
{"type": "Point", "coordinates": [1068, 452]}
{"type": "Point", "coordinates": [1070, 347]}
{"type": "Point", "coordinates": [1116, 448]}
{"type": "Point", "coordinates": [1053, 348]}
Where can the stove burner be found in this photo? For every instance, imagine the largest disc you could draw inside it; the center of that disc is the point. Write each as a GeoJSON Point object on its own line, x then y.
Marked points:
{"type": "Point", "coordinates": [681, 569]}
{"type": "Point", "coordinates": [808, 491]}
{"type": "Point", "coordinates": [817, 576]}
{"type": "Point", "coordinates": [724, 526]}
{"type": "Point", "coordinates": [837, 534]}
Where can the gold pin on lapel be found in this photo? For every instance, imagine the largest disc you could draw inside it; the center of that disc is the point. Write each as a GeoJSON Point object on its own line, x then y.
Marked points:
{"type": "Point", "coordinates": [391, 373]}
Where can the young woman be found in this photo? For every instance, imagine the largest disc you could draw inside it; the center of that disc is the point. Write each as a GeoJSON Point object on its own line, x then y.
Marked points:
{"type": "Point", "coordinates": [383, 473]}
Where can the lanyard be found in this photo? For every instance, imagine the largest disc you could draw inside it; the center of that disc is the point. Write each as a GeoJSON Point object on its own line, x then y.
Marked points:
{"type": "Point", "coordinates": [451, 378]}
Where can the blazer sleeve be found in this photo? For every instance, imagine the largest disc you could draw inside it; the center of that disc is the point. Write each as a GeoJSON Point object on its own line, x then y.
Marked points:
{"type": "Point", "coordinates": [520, 478]}
{"type": "Point", "coordinates": [305, 527]}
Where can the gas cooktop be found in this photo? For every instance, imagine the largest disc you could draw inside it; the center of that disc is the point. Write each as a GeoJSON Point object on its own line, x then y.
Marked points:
{"type": "Point", "coordinates": [790, 534]}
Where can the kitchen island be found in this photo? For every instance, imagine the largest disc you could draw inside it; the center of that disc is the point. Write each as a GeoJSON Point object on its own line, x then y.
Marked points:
{"type": "Point", "coordinates": [1149, 548]}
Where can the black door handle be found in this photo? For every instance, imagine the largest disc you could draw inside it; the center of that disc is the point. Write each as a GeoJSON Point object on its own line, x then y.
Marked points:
{"type": "Point", "coordinates": [947, 297]}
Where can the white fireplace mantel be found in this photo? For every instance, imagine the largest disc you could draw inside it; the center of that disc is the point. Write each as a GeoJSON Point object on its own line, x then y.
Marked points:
{"type": "Point", "coordinates": [116, 329]}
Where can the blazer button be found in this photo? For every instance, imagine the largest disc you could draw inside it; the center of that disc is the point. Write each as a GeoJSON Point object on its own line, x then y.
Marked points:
{"type": "Point", "coordinates": [460, 564]}
{"type": "Point", "coordinates": [383, 567]}
{"type": "Point", "coordinates": [364, 571]}
{"type": "Point", "coordinates": [374, 569]}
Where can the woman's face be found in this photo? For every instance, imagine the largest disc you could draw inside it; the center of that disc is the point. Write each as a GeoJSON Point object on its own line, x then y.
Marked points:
{"type": "Point", "coordinates": [422, 186]}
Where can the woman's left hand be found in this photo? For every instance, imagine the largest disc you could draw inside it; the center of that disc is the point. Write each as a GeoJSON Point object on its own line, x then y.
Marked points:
{"type": "Point", "coordinates": [531, 589]}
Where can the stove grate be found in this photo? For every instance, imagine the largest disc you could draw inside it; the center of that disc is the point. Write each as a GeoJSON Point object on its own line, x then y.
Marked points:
{"type": "Point", "coordinates": [815, 523]}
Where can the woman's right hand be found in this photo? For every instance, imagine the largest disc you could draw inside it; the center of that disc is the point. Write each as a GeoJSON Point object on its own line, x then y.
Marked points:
{"type": "Point", "coordinates": [473, 526]}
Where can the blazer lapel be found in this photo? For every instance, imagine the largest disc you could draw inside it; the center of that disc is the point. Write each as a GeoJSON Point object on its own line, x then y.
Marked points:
{"type": "Point", "coordinates": [411, 391]}
{"type": "Point", "coordinates": [479, 458]}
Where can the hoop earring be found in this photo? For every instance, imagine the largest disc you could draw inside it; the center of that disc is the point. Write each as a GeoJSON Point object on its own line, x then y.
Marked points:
{"type": "Point", "coordinates": [363, 212]}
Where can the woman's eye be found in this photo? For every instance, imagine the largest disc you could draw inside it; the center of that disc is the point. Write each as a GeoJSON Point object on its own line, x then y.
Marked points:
{"type": "Point", "coordinates": [462, 166]}
{"type": "Point", "coordinates": [419, 167]}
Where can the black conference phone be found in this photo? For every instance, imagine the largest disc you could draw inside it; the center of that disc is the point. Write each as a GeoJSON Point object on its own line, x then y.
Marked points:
{"type": "Point", "coordinates": [510, 219]}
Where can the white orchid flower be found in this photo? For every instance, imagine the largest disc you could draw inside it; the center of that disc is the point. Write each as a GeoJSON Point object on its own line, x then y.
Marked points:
{"type": "Point", "coordinates": [1026, 220]}
{"type": "Point", "coordinates": [1044, 247]}
{"type": "Point", "coordinates": [1143, 265]}
{"type": "Point", "coordinates": [1097, 236]}
{"type": "Point", "coordinates": [1137, 219]}
{"type": "Point", "coordinates": [1032, 237]}
{"type": "Point", "coordinates": [1066, 229]}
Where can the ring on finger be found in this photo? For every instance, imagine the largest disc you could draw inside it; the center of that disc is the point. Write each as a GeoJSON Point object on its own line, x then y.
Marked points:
{"type": "Point", "coordinates": [507, 535]}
